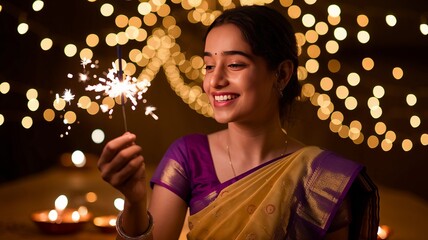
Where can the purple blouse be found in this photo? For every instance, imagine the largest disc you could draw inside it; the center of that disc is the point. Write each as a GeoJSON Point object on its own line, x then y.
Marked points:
{"type": "Point", "coordinates": [194, 177]}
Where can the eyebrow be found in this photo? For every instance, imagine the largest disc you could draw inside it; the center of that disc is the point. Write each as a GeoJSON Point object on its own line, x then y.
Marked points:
{"type": "Point", "coordinates": [230, 53]}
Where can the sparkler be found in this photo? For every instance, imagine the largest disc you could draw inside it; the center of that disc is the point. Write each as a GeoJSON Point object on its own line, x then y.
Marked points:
{"type": "Point", "coordinates": [116, 85]}
{"type": "Point", "coordinates": [122, 95]}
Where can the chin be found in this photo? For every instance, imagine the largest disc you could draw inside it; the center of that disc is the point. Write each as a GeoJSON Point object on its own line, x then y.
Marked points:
{"type": "Point", "coordinates": [221, 119]}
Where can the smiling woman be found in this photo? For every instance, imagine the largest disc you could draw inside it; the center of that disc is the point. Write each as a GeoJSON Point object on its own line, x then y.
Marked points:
{"type": "Point", "coordinates": [359, 66]}
{"type": "Point", "coordinates": [253, 175]}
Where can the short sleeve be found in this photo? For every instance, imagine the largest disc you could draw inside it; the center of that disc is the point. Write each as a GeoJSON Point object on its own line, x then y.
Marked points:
{"type": "Point", "coordinates": [171, 172]}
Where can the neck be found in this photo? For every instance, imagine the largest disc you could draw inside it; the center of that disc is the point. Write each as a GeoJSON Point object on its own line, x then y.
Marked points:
{"type": "Point", "coordinates": [253, 146]}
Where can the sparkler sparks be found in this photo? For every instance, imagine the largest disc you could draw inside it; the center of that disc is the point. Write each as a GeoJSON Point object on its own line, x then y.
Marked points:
{"type": "Point", "coordinates": [114, 87]}
{"type": "Point", "coordinates": [68, 96]}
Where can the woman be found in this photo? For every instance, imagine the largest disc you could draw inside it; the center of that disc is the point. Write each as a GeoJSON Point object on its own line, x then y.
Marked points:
{"type": "Point", "coordinates": [251, 180]}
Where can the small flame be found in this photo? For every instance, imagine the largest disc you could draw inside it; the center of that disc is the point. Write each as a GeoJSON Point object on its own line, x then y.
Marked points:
{"type": "Point", "coordinates": [119, 203]}
{"type": "Point", "coordinates": [75, 216]}
{"type": "Point", "coordinates": [383, 232]}
{"type": "Point", "coordinates": [112, 222]}
{"type": "Point", "coordinates": [61, 203]}
{"type": "Point", "coordinates": [53, 215]}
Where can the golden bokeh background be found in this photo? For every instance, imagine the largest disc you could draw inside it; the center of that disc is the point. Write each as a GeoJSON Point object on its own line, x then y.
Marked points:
{"type": "Point", "coordinates": [362, 68]}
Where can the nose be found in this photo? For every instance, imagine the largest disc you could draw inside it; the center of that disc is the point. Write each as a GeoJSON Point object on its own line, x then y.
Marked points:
{"type": "Point", "coordinates": [218, 78]}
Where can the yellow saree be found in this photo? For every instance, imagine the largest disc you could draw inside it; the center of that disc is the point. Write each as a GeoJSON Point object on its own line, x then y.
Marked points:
{"type": "Point", "coordinates": [295, 197]}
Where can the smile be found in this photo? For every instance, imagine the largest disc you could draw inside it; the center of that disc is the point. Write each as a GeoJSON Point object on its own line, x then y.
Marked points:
{"type": "Point", "coordinates": [222, 98]}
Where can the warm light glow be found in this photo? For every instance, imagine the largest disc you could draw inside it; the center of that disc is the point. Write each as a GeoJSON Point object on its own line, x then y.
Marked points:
{"type": "Point", "coordinates": [363, 37]}
{"type": "Point", "coordinates": [333, 10]}
{"type": "Point", "coordinates": [33, 104]}
{"type": "Point", "coordinates": [157, 30]}
{"type": "Point", "coordinates": [38, 5]}
{"type": "Point", "coordinates": [308, 90]}
{"type": "Point", "coordinates": [22, 28]}
{"type": "Point", "coordinates": [321, 28]}
{"type": "Point", "coordinates": [373, 102]}
{"type": "Point", "coordinates": [53, 215]}
{"type": "Point", "coordinates": [340, 33]}
{"type": "Point", "coordinates": [4, 87]}
{"type": "Point", "coordinates": [368, 64]}
{"type": "Point", "coordinates": [376, 112]}
{"type": "Point", "coordinates": [294, 11]}
{"type": "Point", "coordinates": [27, 122]}
{"type": "Point", "coordinates": [353, 79]}
{"type": "Point", "coordinates": [398, 73]}
{"type": "Point", "coordinates": [362, 20]}
{"type": "Point", "coordinates": [107, 9]}
{"type": "Point", "coordinates": [334, 66]}
{"type": "Point", "coordinates": [424, 139]}
{"type": "Point", "coordinates": [415, 121]}
{"type": "Point", "coordinates": [391, 20]}
{"type": "Point", "coordinates": [70, 117]}
{"type": "Point", "coordinates": [326, 83]}
{"type": "Point", "coordinates": [308, 20]}
{"type": "Point", "coordinates": [342, 92]}
{"type": "Point", "coordinates": [119, 204]}
{"type": "Point", "coordinates": [121, 21]}
{"type": "Point", "coordinates": [383, 232]}
{"type": "Point", "coordinates": [407, 145]}
{"type": "Point", "coordinates": [312, 65]}
{"type": "Point", "coordinates": [144, 8]}
{"type": "Point", "coordinates": [411, 99]}
{"type": "Point", "coordinates": [98, 136]}
{"type": "Point", "coordinates": [423, 28]}
{"type": "Point", "coordinates": [32, 94]}
{"type": "Point", "coordinates": [91, 197]}
{"type": "Point", "coordinates": [373, 142]}
{"type": "Point", "coordinates": [75, 216]}
{"type": "Point", "coordinates": [61, 203]}
{"type": "Point", "coordinates": [70, 50]}
{"type": "Point", "coordinates": [378, 91]}
{"type": "Point", "coordinates": [351, 103]}
{"type": "Point", "coordinates": [311, 36]}
{"type": "Point", "coordinates": [78, 158]}
{"type": "Point", "coordinates": [46, 44]}
{"type": "Point", "coordinates": [380, 128]}
{"type": "Point", "coordinates": [332, 47]}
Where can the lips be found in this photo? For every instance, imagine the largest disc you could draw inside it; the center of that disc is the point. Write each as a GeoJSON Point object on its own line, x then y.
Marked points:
{"type": "Point", "coordinates": [225, 97]}
{"type": "Point", "coordinates": [221, 98]}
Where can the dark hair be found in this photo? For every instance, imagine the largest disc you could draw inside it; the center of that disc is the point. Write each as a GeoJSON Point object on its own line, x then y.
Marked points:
{"type": "Point", "coordinates": [270, 36]}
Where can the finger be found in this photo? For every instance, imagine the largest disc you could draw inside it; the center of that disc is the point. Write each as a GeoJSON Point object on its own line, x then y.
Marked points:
{"type": "Point", "coordinates": [130, 171]}
{"type": "Point", "coordinates": [123, 158]}
{"type": "Point", "coordinates": [114, 146]}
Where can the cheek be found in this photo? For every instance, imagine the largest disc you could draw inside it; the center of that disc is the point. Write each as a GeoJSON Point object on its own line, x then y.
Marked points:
{"type": "Point", "coordinates": [205, 85]}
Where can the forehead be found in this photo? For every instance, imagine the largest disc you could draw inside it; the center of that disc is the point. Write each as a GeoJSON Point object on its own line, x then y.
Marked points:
{"type": "Point", "coordinates": [226, 37]}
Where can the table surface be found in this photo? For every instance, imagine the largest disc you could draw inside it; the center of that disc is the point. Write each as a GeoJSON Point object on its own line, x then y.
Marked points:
{"type": "Point", "coordinates": [38, 192]}
{"type": "Point", "coordinates": [404, 212]}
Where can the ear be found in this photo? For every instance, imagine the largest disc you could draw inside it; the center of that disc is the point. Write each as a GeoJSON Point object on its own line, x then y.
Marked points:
{"type": "Point", "coordinates": [285, 71]}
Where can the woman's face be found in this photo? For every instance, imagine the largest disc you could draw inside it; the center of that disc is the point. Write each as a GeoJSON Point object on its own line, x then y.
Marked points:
{"type": "Point", "coordinates": [239, 84]}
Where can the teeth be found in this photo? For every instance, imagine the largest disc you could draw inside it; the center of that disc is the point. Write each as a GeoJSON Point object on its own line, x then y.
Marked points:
{"type": "Point", "coordinates": [224, 97]}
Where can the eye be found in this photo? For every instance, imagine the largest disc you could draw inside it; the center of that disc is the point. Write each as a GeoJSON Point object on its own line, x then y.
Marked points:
{"type": "Point", "coordinates": [209, 68]}
{"type": "Point", "coordinates": [236, 66]}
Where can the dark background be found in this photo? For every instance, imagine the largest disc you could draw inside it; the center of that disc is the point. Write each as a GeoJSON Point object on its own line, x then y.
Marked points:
{"type": "Point", "coordinates": [24, 65]}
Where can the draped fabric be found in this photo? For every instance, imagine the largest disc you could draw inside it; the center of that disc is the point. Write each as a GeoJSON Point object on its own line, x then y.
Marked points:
{"type": "Point", "coordinates": [293, 197]}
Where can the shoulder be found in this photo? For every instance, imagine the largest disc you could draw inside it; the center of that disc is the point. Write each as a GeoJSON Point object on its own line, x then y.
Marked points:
{"type": "Point", "coordinates": [189, 140]}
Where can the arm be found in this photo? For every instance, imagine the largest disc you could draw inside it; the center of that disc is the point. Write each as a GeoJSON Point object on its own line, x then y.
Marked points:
{"type": "Point", "coordinates": [122, 166]}
{"type": "Point", "coordinates": [169, 212]}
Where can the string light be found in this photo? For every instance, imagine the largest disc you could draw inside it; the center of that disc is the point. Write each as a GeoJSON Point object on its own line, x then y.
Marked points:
{"type": "Point", "coordinates": [158, 29]}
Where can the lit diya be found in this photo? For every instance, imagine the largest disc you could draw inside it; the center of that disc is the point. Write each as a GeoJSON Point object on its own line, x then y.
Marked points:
{"type": "Point", "coordinates": [61, 220]}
